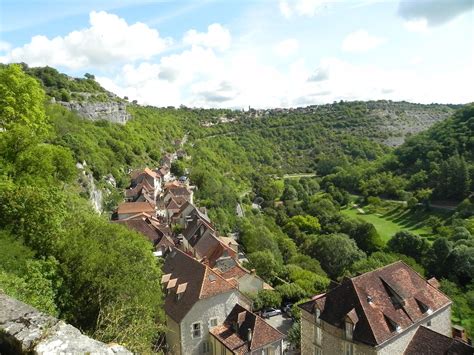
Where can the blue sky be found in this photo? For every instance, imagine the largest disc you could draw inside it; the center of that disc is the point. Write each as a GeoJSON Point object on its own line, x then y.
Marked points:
{"type": "Point", "coordinates": [258, 53]}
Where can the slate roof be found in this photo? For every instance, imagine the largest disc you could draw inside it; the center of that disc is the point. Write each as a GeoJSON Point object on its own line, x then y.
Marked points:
{"type": "Point", "coordinates": [427, 341]}
{"type": "Point", "coordinates": [381, 301]}
{"type": "Point", "coordinates": [234, 332]}
{"type": "Point", "coordinates": [135, 207]}
{"type": "Point", "coordinates": [202, 282]}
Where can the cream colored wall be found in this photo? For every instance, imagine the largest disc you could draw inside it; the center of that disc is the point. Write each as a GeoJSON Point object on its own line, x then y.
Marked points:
{"type": "Point", "coordinates": [217, 347]}
{"type": "Point", "coordinates": [333, 337]}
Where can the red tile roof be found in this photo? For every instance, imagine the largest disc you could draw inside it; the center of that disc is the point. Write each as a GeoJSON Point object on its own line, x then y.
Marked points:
{"type": "Point", "coordinates": [383, 299]}
{"type": "Point", "coordinates": [202, 282]}
{"type": "Point", "coordinates": [427, 341]}
{"type": "Point", "coordinates": [235, 330]}
{"type": "Point", "coordinates": [135, 207]}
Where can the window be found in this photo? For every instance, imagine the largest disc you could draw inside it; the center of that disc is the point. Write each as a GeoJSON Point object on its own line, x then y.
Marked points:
{"type": "Point", "coordinates": [222, 350]}
{"type": "Point", "coordinates": [349, 330]}
{"type": "Point", "coordinates": [317, 335]}
{"type": "Point", "coordinates": [318, 351]}
{"type": "Point", "coordinates": [429, 323]}
{"type": "Point", "coordinates": [212, 322]}
{"type": "Point", "coordinates": [206, 347]}
{"type": "Point", "coordinates": [317, 314]}
{"type": "Point", "coordinates": [348, 349]}
{"type": "Point", "coordinates": [196, 330]}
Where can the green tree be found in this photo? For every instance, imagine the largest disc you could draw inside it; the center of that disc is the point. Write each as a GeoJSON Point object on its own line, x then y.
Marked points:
{"type": "Point", "coordinates": [409, 244]}
{"type": "Point", "coordinates": [335, 252]}
{"type": "Point", "coordinates": [267, 298]}
{"type": "Point", "coordinates": [21, 99]}
{"type": "Point", "coordinates": [266, 265]}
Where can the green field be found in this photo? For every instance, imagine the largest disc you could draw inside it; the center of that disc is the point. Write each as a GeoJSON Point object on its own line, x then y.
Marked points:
{"type": "Point", "coordinates": [395, 220]}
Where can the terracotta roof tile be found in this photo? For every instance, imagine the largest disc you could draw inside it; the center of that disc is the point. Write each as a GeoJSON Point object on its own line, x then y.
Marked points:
{"type": "Point", "coordinates": [201, 281]}
{"type": "Point", "coordinates": [135, 207]}
{"type": "Point", "coordinates": [427, 341]}
{"type": "Point", "coordinates": [234, 332]}
{"type": "Point", "coordinates": [394, 292]}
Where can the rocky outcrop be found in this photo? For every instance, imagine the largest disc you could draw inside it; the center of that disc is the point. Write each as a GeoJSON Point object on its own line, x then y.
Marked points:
{"type": "Point", "coordinates": [25, 330]}
{"type": "Point", "coordinates": [113, 111]}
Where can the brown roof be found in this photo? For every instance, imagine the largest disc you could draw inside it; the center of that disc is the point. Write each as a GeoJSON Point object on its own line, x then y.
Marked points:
{"type": "Point", "coordinates": [135, 174]}
{"type": "Point", "coordinates": [427, 341]}
{"type": "Point", "coordinates": [178, 190]}
{"type": "Point", "coordinates": [234, 332]}
{"type": "Point", "coordinates": [202, 282]}
{"type": "Point", "coordinates": [142, 227]}
{"type": "Point", "coordinates": [381, 301]}
{"type": "Point", "coordinates": [135, 207]}
{"type": "Point", "coordinates": [235, 272]}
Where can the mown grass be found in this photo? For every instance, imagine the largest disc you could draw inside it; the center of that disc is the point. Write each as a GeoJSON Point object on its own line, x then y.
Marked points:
{"type": "Point", "coordinates": [397, 219]}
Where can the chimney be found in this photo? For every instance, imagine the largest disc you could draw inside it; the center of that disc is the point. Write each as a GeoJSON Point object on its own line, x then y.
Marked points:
{"type": "Point", "coordinates": [459, 333]}
{"type": "Point", "coordinates": [249, 335]}
{"type": "Point", "coordinates": [253, 272]}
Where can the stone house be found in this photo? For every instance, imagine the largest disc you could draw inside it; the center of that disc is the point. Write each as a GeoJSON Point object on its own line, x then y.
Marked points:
{"type": "Point", "coordinates": [197, 299]}
{"type": "Point", "coordinates": [378, 312]}
{"type": "Point", "coordinates": [243, 332]}
{"type": "Point", "coordinates": [152, 178]}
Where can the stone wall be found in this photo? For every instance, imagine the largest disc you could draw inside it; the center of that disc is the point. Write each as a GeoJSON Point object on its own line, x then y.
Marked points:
{"type": "Point", "coordinates": [112, 111]}
{"type": "Point", "coordinates": [25, 330]}
{"type": "Point", "coordinates": [333, 338]}
{"type": "Point", "coordinates": [218, 307]}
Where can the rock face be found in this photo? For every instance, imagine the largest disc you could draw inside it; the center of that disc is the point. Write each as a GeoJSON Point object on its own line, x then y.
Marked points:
{"type": "Point", "coordinates": [112, 111]}
{"type": "Point", "coordinates": [25, 330]}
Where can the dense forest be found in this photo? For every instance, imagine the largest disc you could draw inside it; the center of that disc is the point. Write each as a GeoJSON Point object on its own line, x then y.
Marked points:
{"type": "Point", "coordinates": [302, 231]}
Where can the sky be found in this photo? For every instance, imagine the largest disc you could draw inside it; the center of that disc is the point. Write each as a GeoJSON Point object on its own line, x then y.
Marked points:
{"type": "Point", "coordinates": [241, 53]}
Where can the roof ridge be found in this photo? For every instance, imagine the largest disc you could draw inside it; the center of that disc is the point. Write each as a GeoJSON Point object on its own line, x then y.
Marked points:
{"type": "Point", "coordinates": [354, 286]}
{"type": "Point", "coordinates": [378, 269]}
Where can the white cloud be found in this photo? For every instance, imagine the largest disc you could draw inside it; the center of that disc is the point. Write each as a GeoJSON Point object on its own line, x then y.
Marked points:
{"type": "Point", "coordinates": [4, 46]}
{"type": "Point", "coordinates": [108, 40]}
{"type": "Point", "coordinates": [307, 8]}
{"type": "Point", "coordinates": [287, 47]}
{"type": "Point", "coordinates": [285, 9]}
{"type": "Point", "coordinates": [418, 25]}
{"type": "Point", "coordinates": [361, 41]}
{"type": "Point", "coordinates": [216, 36]}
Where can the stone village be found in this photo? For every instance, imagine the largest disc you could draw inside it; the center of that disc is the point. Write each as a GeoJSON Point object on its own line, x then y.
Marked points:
{"type": "Point", "coordinates": [391, 310]}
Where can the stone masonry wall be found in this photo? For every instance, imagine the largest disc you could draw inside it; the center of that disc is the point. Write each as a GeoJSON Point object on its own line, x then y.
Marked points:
{"type": "Point", "coordinates": [25, 330]}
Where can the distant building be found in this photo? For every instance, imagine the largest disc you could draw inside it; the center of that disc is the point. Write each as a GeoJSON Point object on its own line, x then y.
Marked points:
{"type": "Point", "coordinates": [129, 209]}
{"type": "Point", "coordinates": [378, 312]}
{"type": "Point", "coordinates": [243, 332]}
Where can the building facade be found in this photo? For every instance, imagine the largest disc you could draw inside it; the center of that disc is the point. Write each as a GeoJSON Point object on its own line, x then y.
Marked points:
{"type": "Point", "coordinates": [375, 313]}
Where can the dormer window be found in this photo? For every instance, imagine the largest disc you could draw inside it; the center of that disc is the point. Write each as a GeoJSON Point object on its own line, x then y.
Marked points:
{"type": "Point", "coordinates": [392, 325]}
{"type": "Point", "coordinates": [349, 330]}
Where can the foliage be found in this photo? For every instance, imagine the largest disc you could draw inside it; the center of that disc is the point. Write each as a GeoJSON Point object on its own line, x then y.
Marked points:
{"type": "Point", "coordinates": [335, 252]}
{"type": "Point", "coordinates": [21, 99]}
{"type": "Point", "coordinates": [267, 298]}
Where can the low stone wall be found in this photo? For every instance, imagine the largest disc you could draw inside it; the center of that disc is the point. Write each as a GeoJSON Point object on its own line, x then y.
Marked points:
{"type": "Point", "coordinates": [25, 330]}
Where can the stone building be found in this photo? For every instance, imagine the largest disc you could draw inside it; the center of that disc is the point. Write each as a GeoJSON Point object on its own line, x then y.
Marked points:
{"type": "Point", "coordinates": [243, 332]}
{"type": "Point", "coordinates": [197, 299]}
{"type": "Point", "coordinates": [378, 312]}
